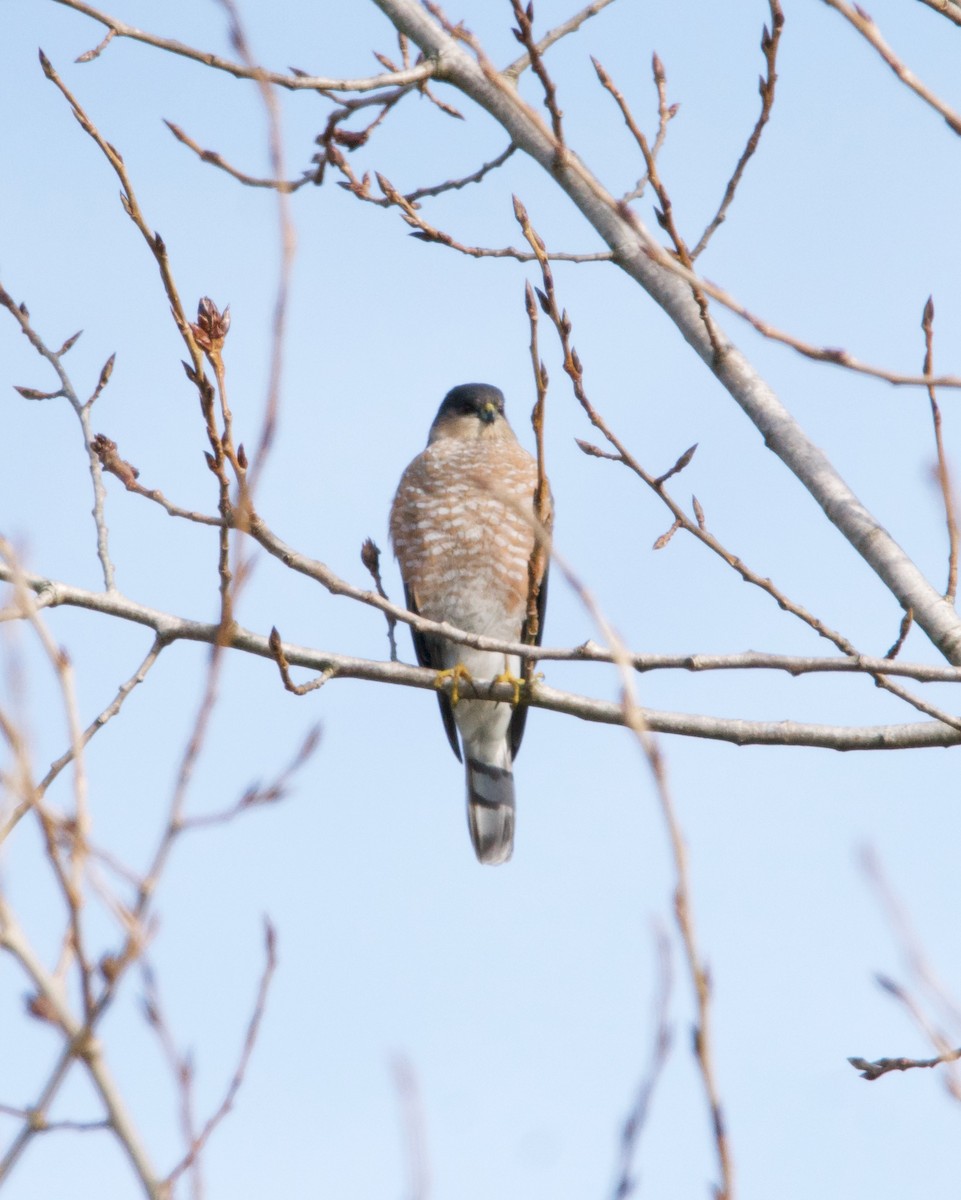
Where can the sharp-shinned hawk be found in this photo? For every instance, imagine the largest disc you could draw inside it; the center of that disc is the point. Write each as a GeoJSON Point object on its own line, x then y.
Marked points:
{"type": "Point", "coordinates": [463, 529]}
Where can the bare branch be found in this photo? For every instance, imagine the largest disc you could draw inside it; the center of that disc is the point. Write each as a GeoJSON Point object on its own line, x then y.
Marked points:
{"type": "Point", "coordinates": [660, 1050]}
{"type": "Point", "coordinates": [237, 1079]}
{"type": "Point", "coordinates": [132, 208]}
{"type": "Point", "coordinates": [276, 645]}
{"type": "Point", "coordinates": [430, 233]}
{"type": "Point", "coordinates": [454, 185]}
{"type": "Point", "coordinates": [51, 593]}
{"type": "Point", "coordinates": [770, 41]}
{"type": "Point", "coordinates": [217, 160]}
{"type": "Point", "coordinates": [415, 1135]}
{"type": "Point", "coordinates": [906, 622]}
{"type": "Point", "coordinates": [665, 113]}
{"type": "Point", "coordinates": [865, 25]}
{"type": "Point", "coordinates": [82, 409]}
{"type": "Point", "coordinates": [84, 1047]}
{"type": "Point", "coordinates": [943, 474]}
{"type": "Point", "coordinates": [666, 281]}
{"type": "Point", "coordinates": [543, 513]}
{"type": "Point", "coordinates": [571, 25]}
{"type": "Point", "coordinates": [524, 16]}
{"type": "Point", "coordinates": [296, 81]}
{"type": "Point", "coordinates": [539, 695]}
{"type": "Point", "coordinates": [258, 795]}
{"type": "Point", "coordinates": [572, 366]}
{"type": "Point", "coordinates": [94, 727]}
{"type": "Point", "coordinates": [947, 8]}
{"type": "Point", "coordinates": [882, 1066]}
{"type": "Point", "coordinates": [370, 557]}
{"type": "Point", "coordinates": [636, 720]}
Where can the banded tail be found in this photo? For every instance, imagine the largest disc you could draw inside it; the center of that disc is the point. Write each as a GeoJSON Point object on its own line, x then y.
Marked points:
{"type": "Point", "coordinates": [490, 811]}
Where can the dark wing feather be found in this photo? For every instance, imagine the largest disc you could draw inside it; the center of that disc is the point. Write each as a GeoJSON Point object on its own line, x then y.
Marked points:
{"type": "Point", "coordinates": [519, 718]}
{"type": "Point", "coordinates": [428, 655]}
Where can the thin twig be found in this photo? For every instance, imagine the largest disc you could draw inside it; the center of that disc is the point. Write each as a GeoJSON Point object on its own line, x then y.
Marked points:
{"type": "Point", "coordinates": [82, 410]}
{"type": "Point", "coordinates": [132, 208]}
{"type": "Point", "coordinates": [574, 370]}
{"type": "Point", "coordinates": [296, 81]}
{"type": "Point", "coordinates": [84, 1047]}
{"type": "Point", "coordinates": [217, 160]}
{"type": "Point", "coordinates": [665, 214]}
{"type": "Point", "coordinates": [259, 795]}
{"type": "Point", "coordinates": [665, 113]}
{"type": "Point", "coordinates": [908, 941]}
{"type": "Point", "coordinates": [660, 1050]}
{"type": "Point", "coordinates": [69, 874]}
{"type": "Point", "coordinates": [905, 628]}
{"type": "Point", "coordinates": [947, 8]}
{"type": "Point", "coordinates": [426, 232]}
{"type": "Point", "coordinates": [279, 656]}
{"type": "Point", "coordinates": [46, 1126]}
{"type": "Point", "coordinates": [572, 24]}
{"type": "Point", "coordinates": [94, 727]}
{"type": "Point", "coordinates": [537, 563]}
{"type": "Point", "coordinates": [246, 1052]}
{"type": "Point", "coordinates": [454, 185]}
{"type": "Point", "coordinates": [636, 720]}
{"type": "Point", "coordinates": [415, 1130]}
{"type": "Point", "coordinates": [370, 557]}
{"type": "Point", "coordinates": [865, 25]}
{"type": "Point", "coordinates": [882, 1066]}
{"type": "Point", "coordinates": [524, 32]}
{"type": "Point", "coordinates": [943, 474]}
{"type": "Point", "coordinates": [180, 1066]}
{"type": "Point", "coordinates": [770, 40]}
{"type": "Point", "coordinates": [287, 246]}
{"type": "Point", "coordinates": [911, 951]}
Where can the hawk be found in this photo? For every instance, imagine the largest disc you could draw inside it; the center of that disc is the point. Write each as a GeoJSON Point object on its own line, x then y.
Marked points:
{"type": "Point", "coordinates": [463, 529]}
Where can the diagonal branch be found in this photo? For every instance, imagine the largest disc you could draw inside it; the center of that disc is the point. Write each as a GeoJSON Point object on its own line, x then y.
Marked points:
{"type": "Point", "coordinates": [81, 408]}
{"type": "Point", "coordinates": [82, 1046]}
{"type": "Point", "coordinates": [947, 8]}
{"type": "Point", "coordinates": [638, 254]}
{"type": "Point", "coordinates": [571, 25]}
{"type": "Point", "coordinates": [943, 474]}
{"type": "Point", "coordinates": [867, 28]}
{"type": "Point", "coordinates": [295, 81]}
{"type": "Point", "coordinates": [770, 41]}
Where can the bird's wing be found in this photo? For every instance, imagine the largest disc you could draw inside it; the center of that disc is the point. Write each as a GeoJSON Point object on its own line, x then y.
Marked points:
{"type": "Point", "coordinates": [519, 717]}
{"type": "Point", "coordinates": [428, 655]}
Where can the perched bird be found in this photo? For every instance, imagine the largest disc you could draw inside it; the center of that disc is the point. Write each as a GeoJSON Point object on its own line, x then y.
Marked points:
{"type": "Point", "coordinates": [463, 529]}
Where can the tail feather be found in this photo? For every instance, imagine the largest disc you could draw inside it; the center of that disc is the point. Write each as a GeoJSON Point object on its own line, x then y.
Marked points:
{"type": "Point", "coordinates": [490, 811]}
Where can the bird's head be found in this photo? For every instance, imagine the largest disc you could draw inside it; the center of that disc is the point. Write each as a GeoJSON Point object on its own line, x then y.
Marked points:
{"type": "Point", "coordinates": [470, 410]}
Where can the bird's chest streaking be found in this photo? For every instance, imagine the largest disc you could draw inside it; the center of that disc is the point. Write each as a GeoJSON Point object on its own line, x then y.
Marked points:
{"type": "Point", "coordinates": [462, 530]}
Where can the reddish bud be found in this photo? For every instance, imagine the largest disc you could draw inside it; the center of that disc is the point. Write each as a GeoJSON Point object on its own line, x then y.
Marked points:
{"type": "Point", "coordinates": [370, 555]}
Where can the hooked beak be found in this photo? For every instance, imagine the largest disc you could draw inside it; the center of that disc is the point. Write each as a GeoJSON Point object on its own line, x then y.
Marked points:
{"type": "Point", "coordinates": [488, 413]}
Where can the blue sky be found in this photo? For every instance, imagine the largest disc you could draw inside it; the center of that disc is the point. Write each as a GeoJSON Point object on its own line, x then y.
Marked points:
{"type": "Point", "coordinates": [520, 997]}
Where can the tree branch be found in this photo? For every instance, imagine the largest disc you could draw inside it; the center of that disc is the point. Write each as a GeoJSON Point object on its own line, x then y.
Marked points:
{"type": "Point", "coordinates": [865, 25]}
{"type": "Point", "coordinates": [639, 255]}
{"type": "Point", "coordinates": [296, 81]}
{"type": "Point", "coordinates": [742, 733]}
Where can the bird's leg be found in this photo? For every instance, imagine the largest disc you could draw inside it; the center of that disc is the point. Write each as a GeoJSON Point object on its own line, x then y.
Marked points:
{"type": "Point", "coordinates": [457, 675]}
{"type": "Point", "coordinates": [515, 681]}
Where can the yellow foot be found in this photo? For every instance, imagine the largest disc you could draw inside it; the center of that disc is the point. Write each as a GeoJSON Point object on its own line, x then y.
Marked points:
{"type": "Point", "coordinates": [516, 683]}
{"type": "Point", "coordinates": [457, 674]}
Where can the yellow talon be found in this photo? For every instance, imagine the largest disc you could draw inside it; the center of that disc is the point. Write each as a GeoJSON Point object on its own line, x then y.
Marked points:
{"type": "Point", "coordinates": [515, 682]}
{"type": "Point", "coordinates": [458, 673]}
